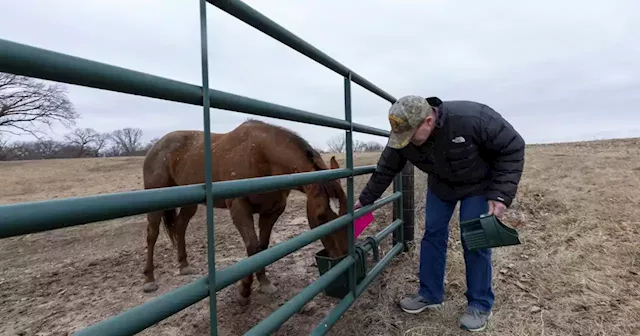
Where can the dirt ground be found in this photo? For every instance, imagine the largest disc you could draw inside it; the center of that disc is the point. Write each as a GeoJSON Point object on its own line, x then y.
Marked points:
{"type": "Point", "coordinates": [576, 273]}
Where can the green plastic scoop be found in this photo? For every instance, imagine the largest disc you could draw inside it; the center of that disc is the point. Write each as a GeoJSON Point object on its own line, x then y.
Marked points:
{"type": "Point", "coordinates": [487, 232]}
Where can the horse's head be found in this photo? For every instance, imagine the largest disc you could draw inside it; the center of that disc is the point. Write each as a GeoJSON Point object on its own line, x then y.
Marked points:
{"type": "Point", "coordinates": [327, 202]}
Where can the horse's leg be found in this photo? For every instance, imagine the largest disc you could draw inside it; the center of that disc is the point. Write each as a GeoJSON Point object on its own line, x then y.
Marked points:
{"type": "Point", "coordinates": [153, 229]}
{"type": "Point", "coordinates": [242, 216]}
{"type": "Point", "coordinates": [266, 222]}
{"type": "Point", "coordinates": [186, 212]}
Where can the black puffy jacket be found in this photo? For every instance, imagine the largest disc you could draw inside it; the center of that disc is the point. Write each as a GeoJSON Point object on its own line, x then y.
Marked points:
{"type": "Point", "coordinates": [472, 151]}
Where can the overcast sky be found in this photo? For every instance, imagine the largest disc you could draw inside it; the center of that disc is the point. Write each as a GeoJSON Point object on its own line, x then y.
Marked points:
{"type": "Point", "coordinates": [557, 70]}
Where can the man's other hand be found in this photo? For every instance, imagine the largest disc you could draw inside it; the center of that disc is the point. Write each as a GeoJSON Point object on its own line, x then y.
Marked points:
{"type": "Point", "coordinates": [497, 208]}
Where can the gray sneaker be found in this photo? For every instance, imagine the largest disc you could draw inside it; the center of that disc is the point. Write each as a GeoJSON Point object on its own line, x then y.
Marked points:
{"type": "Point", "coordinates": [415, 304]}
{"type": "Point", "coordinates": [474, 319]}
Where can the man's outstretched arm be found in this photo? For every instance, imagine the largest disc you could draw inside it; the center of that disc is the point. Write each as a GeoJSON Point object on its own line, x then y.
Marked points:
{"type": "Point", "coordinates": [390, 163]}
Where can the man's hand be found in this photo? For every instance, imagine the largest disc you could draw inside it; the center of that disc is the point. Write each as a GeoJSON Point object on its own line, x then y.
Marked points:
{"type": "Point", "coordinates": [357, 205]}
{"type": "Point", "coordinates": [496, 208]}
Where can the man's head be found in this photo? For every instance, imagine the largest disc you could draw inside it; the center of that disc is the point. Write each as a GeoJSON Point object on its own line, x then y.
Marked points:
{"type": "Point", "coordinates": [412, 120]}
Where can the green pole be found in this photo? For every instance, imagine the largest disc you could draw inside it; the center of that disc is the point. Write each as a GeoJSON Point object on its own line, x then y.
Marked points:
{"type": "Point", "coordinates": [350, 198]}
{"type": "Point", "coordinates": [397, 210]}
{"type": "Point", "coordinates": [207, 163]}
{"type": "Point", "coordinates": [400, 212]}
{"type": "Point", "coordinates": [408, 206]}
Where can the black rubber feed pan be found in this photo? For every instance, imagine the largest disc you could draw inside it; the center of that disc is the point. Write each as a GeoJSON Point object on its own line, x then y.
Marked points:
{"type": "Point", "coordinates": [487, 232]}
{"type": "Point", "coordinates": [339, 288]}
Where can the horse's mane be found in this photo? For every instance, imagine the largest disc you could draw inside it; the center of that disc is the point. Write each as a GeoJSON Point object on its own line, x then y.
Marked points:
{"type": "Point", "coordinates": [328, 187]}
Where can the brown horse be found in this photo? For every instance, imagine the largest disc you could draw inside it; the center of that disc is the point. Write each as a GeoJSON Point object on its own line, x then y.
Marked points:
{"type": "Point", "coordinates": [253, 149]}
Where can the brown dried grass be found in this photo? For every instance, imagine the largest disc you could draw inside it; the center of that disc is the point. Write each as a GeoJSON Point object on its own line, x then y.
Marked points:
{"type": "Point", "coordinates": [577, 272]}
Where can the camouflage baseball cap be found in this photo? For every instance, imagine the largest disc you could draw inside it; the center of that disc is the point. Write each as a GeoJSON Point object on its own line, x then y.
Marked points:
{"type": "Point", "coordinates": [405, 116]}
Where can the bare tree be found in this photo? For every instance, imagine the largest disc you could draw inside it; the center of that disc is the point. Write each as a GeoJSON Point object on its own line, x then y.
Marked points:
{"type": "Point", "coordinates": [26, 102]}
{"type": "Point", "coordinates": [6, 149]}
{"type": "Point", "coordinates": [46, 149]}
{"type": "Point", "coordinates": [337, 144]}
{"type": "Point", "coordinates": [127, 140]}
{"type": "Point", "coordinates": [101, 142]}
{"type": "Point", "coordinates": [4, 141]}
{"type": "Point", "coordinates": [372, 146]}
{"type": "Point", "coordinates": [151, 143]}
{"type": "Point", "coordinates": [82, 140]}
{"type": "Point", "coordinates": [359, 146]}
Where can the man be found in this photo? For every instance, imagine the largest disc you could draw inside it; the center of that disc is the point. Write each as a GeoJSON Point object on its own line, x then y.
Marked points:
{"type": "Point", "coordinates": [472, 155]}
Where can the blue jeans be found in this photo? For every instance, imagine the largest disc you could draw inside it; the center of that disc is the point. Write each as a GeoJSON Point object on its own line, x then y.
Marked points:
{"type": "Point", "coordinates": [433, 252]}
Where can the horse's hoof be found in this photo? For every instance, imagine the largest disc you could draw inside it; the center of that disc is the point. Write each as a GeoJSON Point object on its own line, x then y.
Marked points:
{"type": "Point", "coordinates": [149, 287]}
{"type": "Point", "coordinates": [187, 270]}
{"type": "Point", "coordinates": [268, 288]}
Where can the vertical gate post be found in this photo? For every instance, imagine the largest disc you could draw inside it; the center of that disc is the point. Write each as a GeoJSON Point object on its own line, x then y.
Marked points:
{"type": "Point", "coordinates": [408, 206]}
{"type": "Point", "coordinates": [404, 208]}
{"type": "Point", "coordinates": [397, 211]}
{"type": "Point", "coordinates": [349, 161]}
{"type": "Point", "coordinates": [211, 265]}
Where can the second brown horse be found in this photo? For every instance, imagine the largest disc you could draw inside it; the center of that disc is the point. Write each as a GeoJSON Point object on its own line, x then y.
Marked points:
{"type": "Point", "coordinates": [253, 149]}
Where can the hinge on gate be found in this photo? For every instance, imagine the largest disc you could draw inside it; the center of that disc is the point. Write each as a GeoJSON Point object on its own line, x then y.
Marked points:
{"type": "Point", "coordinates": [361, 258]}
{"type": "Point", "coordinates": [374, 248]}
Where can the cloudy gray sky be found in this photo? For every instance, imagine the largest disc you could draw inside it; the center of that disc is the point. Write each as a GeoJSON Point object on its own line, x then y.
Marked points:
{"type": "Point", "coordinates": [557, 70]}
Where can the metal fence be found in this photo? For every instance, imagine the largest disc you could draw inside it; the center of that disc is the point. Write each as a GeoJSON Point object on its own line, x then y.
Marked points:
{"type": "Point", "coordinates": [31, 217]}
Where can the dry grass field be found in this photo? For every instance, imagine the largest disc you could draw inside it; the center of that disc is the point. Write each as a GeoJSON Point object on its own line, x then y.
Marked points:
{"type": "Point", "coordinates": [576, 273]}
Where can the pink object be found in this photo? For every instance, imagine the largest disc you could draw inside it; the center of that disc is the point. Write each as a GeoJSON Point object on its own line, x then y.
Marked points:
{"type": "Point", "coordinates": [361, 223]}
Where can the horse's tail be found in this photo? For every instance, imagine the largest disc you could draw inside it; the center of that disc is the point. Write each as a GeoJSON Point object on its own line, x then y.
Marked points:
{"type": "Point", "coordinates": [169, 223]}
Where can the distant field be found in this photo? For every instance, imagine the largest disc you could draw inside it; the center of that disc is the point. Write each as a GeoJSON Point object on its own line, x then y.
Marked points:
{"type": "Point", "coordinates": [577, 272]}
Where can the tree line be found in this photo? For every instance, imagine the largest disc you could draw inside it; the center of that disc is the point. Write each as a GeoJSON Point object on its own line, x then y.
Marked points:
{"type": "Point", "coordinates": [338, 144]}
{"type": "Point", "coordinates": [79, 143]}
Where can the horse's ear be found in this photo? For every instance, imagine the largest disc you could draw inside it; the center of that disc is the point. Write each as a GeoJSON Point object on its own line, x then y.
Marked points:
{"type": "Point", "coordinates": [334, 163]}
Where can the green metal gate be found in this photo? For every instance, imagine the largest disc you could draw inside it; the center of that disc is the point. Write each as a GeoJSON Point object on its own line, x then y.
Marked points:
{"type": "Point", "coordinates": [32, 217]}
